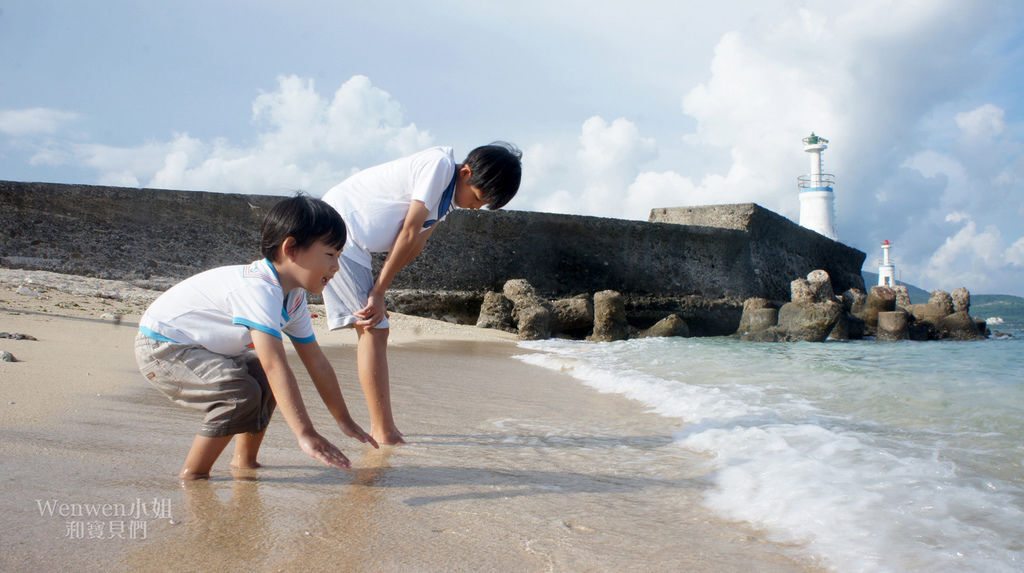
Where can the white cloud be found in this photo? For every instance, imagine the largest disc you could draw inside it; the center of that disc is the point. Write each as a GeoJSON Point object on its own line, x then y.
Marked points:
{"type": "Point", "coordinates": [119, 179]}
{"type": "Point", "coordinates": [983, 122]}
{"type": "Point", "coordinates": [603, 175]}
{"type": "Point", "coordinates": [362, 115]}
{"type": "Point", "coordinates": [931, 163]}
{"type": "Point", "coordinates": [34, 121]}
{"type": "Point", "coordinates": [49, 157]}
{"type": "Point", "coordinates": [560, 201]}
{"type": "Point", "coordinates": [307, 142]}
{"type": "Point", "coordinates": [764, 95]}
{"type": "Point", "coordinates": [956, 217]}
{"type": "Point", "coordinates": [973, 257]}
{"type": "Point", "coordinates": [1015, 254]}
{"type": "Point", "coordinates": [608, 148]}
{"type": "Point", "coordinates": [140, 164]}
{"type": "Point", "coordinates": [360, 121]}
{"type": "Point", "coordinates": [969, 243]}
{"type": "Point", "coordinates": [609, 156]}
{"type": "Point", "coordinates": [590, 177]}
{"type": "Point", "coordinates": [661, 189]}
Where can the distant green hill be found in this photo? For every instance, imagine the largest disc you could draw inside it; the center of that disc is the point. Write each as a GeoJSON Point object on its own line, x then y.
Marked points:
{"type": "Point", "coordinates": [1008, 307]}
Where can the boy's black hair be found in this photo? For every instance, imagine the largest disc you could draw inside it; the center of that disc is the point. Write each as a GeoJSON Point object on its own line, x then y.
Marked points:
{"type": "Point", "coordinates": [304, 218]}
{"type": "Point", "coordinates": [497, 170]}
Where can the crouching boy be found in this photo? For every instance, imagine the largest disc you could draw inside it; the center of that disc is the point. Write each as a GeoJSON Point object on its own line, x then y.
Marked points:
{"type": "Point", "coordinates": [213, 342]}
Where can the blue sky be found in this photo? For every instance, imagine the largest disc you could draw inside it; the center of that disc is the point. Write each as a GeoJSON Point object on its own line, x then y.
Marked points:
{"type": "Point", "coordinates": [618, 109]}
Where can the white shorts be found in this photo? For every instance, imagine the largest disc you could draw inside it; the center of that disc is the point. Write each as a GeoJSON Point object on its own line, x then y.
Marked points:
{"type": "Point", "coordinates": [347, 293]}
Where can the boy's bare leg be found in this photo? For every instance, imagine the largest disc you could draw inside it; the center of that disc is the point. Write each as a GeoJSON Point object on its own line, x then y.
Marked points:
{"type": "Point", "coordinates": [247, 447]}
{"type": "Point", "coordinates": [372, 359]}
{"type": "Point", "coordinates": [201, 456]}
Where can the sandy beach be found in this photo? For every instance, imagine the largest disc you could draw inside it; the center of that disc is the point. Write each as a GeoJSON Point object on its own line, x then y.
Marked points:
{"type": "Point", "coordinates": [508, 467]}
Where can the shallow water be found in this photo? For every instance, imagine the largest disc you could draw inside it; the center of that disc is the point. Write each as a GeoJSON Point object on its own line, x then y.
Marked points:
{"type": "Point", "coordinates": [868, 456]}
{"type": "Point", "coordinates": [508, 467]}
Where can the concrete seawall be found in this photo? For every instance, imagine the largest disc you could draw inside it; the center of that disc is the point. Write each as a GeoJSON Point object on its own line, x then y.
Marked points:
{"type": "Point", "coordinates": [122, 233]}
{"type": "Point", "coordinates": [723, 254]}
{"type": "Point", "coordinates": [780, 250]}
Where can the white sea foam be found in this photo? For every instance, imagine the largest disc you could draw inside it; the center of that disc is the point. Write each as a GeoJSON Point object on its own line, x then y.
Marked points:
{"type": "Point", "coordinates": [860, 505]}
{"type": "Point", "coordinates": [665, 397]}
{"type": "Point", "coordinates": [865, 455]}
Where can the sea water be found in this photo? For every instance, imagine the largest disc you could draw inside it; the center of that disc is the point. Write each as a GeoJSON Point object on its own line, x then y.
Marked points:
{"type": "Point", "coordinates": [864, 455]}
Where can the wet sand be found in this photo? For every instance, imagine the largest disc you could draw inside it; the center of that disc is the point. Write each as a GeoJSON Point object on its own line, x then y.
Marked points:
{"type": "Point", "coordinates": [509, 466]}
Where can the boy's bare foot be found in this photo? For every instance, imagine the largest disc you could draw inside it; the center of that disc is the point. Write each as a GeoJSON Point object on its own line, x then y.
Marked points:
{"type": "Point", "coordinates": [191, 476]}
{"type": "Point", "coordinates": [241, 464]}
{"type": "Point", "coordinates": [391, 438]}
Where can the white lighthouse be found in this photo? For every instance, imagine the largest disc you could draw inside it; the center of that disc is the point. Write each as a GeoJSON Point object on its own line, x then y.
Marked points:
{"type": "Point", "coordinates": [816, 198]}
{"type": "Point", "coordinates": [886, 267]}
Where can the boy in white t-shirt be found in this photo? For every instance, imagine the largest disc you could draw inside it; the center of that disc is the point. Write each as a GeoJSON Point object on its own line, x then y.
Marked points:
{"type": "Point", "coordinates": [213, 341]}
{"type": "Point", "coordinates": [394, 208]}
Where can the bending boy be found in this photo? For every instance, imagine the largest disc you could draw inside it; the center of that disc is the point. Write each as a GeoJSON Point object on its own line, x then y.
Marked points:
{"type": "Point", "coordinates": [394, 207]}
{"type": "Point", "coordinates": [194, 341]}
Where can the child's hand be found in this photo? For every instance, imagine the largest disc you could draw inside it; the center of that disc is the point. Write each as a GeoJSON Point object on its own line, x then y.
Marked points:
{"type": "Point", "coordinates": [318, 447]}
{"type": "Point", "coordinates": [352, 430]}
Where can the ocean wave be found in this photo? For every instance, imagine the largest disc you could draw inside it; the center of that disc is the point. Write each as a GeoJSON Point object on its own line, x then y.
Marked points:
{"type": "Point", "coordinates": [846, 450]}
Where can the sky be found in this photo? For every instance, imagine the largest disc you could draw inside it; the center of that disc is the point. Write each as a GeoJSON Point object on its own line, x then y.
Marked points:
{"type": "Point", "coordinates": [619, 107]}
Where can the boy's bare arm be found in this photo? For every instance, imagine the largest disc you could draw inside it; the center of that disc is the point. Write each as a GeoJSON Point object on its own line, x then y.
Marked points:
{"type": "Point", "coordinates": [407, 246]}
{"type": "Point", "coordinates": [270, 352]}
{"type": "Point", "coordinates": [326, 382]}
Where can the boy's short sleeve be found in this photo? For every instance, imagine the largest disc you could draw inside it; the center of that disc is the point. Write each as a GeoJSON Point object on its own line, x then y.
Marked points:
{"type": "Point", "coordinates": [298, 325]}
{"type": "Point", "coordinates": [431, 174]}
{"type": "Point", "coordinates": [252, 308]}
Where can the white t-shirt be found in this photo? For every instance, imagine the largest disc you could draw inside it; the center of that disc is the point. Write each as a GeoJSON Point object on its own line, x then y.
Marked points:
{"type": "Point", "coordinates": [216, 308]}
{"type": "Point", "coordinates": [375, 201]}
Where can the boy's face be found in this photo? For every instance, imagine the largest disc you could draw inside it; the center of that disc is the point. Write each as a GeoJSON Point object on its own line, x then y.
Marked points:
{"type": "Point", "coordinates": [467, 196]}
{"type": "Point", "coordinates": [314, 265]}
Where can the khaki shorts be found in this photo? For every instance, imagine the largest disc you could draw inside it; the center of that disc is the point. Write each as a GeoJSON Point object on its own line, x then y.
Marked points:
{"type": "Point", "coordinates": [232, 390]}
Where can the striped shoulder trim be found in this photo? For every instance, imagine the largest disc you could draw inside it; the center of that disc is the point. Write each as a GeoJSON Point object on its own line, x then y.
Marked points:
{"type": "Point", "coordinates": [256, 271]}
{"type": "Point", "coordinates": [297, 303]}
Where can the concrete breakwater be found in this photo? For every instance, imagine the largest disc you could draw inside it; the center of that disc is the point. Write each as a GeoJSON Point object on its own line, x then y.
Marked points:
{"type": "Point", "coordinates": [699, 263]}
{"type": "Point", "coordinates": [816, 312]}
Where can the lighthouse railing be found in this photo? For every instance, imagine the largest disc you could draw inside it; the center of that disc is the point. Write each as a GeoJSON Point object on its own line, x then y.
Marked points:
{"type": "Point", "coordinates": [816, 180]}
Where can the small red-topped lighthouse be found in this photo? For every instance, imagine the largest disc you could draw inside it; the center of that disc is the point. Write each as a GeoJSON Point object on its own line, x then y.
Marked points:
{"type": "Point", "coordinates": [886, 267]}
